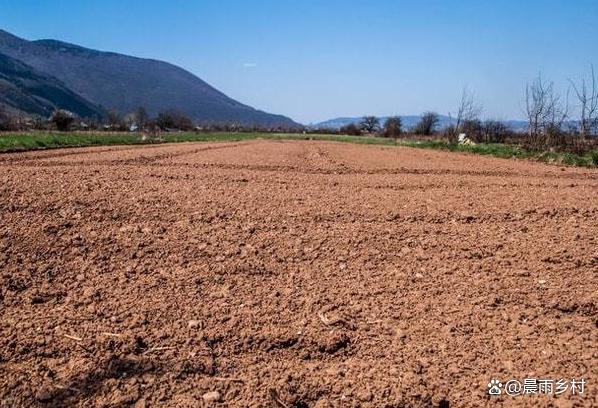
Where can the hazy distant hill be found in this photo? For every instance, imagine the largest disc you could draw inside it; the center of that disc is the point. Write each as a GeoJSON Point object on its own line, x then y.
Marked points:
{"type": "Point", "coordinates": [124, 83]}
{"type": "Point", "coordinates": [25, 89]}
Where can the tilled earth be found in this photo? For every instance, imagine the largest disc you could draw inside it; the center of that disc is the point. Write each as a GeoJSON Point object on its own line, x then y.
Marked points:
{"type": "Point", "coordinates": [293, 274]}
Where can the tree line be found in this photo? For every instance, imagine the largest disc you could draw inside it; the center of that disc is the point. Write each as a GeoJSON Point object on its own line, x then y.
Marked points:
{"type": "Point", "coordinates": [137, 121]}
{"type": "Point", "coordinates": [554, 121]}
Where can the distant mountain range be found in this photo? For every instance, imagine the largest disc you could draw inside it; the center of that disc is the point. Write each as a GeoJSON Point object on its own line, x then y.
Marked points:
{"type": "Point", "coordinates": [408, 121]}
{"type": "Point", "coordinates": [38, 76]}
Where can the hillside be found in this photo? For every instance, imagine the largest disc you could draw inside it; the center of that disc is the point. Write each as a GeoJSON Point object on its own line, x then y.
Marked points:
{"type": "Point", "coordinates": [124, 83]}
{"type": "Point", "coordinates": [25, 89]}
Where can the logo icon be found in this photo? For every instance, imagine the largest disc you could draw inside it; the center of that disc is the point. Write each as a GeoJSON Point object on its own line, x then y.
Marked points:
{"type": "Point", "coordinates": [494, 387]}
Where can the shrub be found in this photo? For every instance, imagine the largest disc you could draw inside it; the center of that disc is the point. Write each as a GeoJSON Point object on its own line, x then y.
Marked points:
{"type": "Point", "coordinates": [555, 137]}
{"type": "Point", "coordinates": [350, 129]}
{"type": "Point", "coordinates": [494, 131]}
{"type": "Point", "coordinates": [173, 120]}
{"type": "Point", "coordinates": [474, 130]}
{"type": "Point", "coordinates": [62, 119]}
{"type": "Point", "coordinates": [450, 134]}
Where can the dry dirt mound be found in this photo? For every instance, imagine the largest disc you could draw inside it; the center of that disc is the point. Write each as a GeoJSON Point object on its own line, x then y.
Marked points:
{"type": "Point", "coordinates": [293, 274]}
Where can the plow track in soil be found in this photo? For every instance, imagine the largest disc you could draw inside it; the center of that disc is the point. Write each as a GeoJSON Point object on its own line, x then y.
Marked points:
{"type": "Point", "coordinates": [305, 274]}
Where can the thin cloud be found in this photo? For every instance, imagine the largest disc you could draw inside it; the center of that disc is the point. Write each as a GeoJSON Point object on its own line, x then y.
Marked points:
{"type": "Point", "coordinates": [250, 64]}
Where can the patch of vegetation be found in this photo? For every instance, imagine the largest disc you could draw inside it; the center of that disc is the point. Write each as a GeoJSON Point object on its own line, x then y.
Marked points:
{"type": "Point", "coordinates": [508, 151]}
{"type": "Point", "coordinates": [12, 142]}
{"type": "Point", "coordinates": [31, 141]}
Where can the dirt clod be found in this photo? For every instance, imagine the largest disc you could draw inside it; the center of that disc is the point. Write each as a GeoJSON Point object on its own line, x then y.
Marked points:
{"type": "Point", "coordinates": [211, 396]}
{"type": "Point", "coordinates": [194, 324]}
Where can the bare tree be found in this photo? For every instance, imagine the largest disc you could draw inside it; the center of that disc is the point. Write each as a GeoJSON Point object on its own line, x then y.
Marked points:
{"type": "Point", "coordinates": [141, 117]}
{"type": "Point", "coordinates": [468, 109]}
{"type": "Point", "coordinates": [427, 124]}
{"type": "Point", "coordinates": [536, 104]}
{"type": "Point", "coordinates": [587, 95]}
{"type": "Point", "coordinates": [392, 127]}
{"type": "Point", "coordinates": [546, 112]}
{"type": "Point", "coordinates": [114, 120]}
{"type": "Point", "coordinates": [174, 120]}
{"type": "Point", "coordinates": [559, 110]}
{"type": "Point", "coordinates": [370, 124]}
{"type": "Point", "coordinates": [4, 118]}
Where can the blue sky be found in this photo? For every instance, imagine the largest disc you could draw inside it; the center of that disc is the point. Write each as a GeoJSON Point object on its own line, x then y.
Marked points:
{"type": "Point", "coordinates": [314, 60]}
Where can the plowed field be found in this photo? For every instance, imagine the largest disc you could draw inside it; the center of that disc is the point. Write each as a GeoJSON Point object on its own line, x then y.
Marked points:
{"type": "Point", "coordinates": [293, 274]}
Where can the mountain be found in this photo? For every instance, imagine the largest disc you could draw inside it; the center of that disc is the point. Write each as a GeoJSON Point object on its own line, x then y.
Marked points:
{"type": "Point", "coordinates": [124, 83]}
{"type": "Point", "coordinates": [26, 89]}
{"type": "Point", "coordinates": [516, 125]}
{"type": "Point", "coordinates": [408, 121]}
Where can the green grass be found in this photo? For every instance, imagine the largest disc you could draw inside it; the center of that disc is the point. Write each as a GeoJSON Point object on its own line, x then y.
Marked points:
{"type": "Point", "coordinates": [31, 141]}
{"type": "Point", "coordinates": [13, 142]}
{"type": "Point", "coordinates": [510, 151]}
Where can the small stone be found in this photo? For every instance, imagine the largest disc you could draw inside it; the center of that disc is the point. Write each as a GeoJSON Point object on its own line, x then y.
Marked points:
{"type": "Point", "coordinates": [364, 395]}
{"type": "Point", "coordinates": [88, 292]}
{"type": "Point", "coordinates": [419, 275]}
{"type": "Point", "coordinates": [322, 403]}
{"type": "Point", "coordinates": [80, 277]}
{"type": "Point", "coordinates": [541, 281]}
{"type": "Point", "coordinates": [401, 334]}
{"type": "Point", "coordinates": [140, 403]}
{"type": "Point", "coordinates": [193, 324]}
{"type": "Point", "coordinates": [212, 396]}
{"type": "Point", "coordinates": [44, 394]}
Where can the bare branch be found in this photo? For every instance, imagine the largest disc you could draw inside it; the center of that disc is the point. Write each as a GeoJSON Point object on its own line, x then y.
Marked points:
{"type": "Point", "coordinates": [468, 108]}
{"type": "Point", "coordinates": [587, 97]}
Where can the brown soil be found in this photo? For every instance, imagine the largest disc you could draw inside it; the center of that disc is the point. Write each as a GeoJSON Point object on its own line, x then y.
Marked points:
{"type": "Point", "coordinates": [293, 274]}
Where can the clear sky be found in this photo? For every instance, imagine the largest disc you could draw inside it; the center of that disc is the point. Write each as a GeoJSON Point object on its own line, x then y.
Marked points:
{"type": "Point", "coordinates": [318, 59]}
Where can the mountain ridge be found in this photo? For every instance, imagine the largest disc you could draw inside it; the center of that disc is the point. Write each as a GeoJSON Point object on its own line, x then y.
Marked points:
{"type": "Point", "coordinates": [26, 89]}
{"type": "Point", "coordinates": [120, 82]}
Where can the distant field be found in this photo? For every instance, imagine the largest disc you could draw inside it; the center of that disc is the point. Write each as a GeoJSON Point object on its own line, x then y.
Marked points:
{"type": "Point", "coordinates": [15, 142]}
